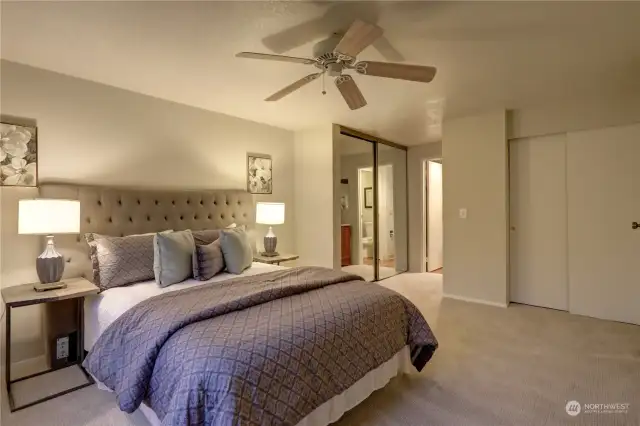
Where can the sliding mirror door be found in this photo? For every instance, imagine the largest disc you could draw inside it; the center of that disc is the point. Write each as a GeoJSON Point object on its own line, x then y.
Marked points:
{"type": "Point", "coordinates": [357, 231]}
{"type": "Point", "coordinates": [392, 211]}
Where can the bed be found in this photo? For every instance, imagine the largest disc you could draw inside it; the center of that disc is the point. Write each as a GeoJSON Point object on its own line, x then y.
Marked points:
{"type": "Point", "coordinates": [102, 310]}
{"type": "Point", "coordinates": [353, 337]}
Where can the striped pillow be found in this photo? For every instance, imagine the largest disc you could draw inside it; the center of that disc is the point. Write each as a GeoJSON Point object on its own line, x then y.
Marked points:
{"type": "Point", "coordinates": [207, 260]}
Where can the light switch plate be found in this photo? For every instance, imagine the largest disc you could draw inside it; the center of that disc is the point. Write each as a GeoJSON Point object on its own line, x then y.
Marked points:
{"type": "Point", "coordinates": [463, 213]}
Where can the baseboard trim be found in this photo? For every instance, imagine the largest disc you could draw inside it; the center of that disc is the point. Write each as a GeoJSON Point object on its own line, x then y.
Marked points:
{"type": "Point", "coordinates": [472, 300]}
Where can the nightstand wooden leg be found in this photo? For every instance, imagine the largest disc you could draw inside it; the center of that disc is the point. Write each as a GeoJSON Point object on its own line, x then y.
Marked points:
{"type": "Point", "coordinates": [80, 343]}
{"type": "Point", "coordinates": [7, 357]}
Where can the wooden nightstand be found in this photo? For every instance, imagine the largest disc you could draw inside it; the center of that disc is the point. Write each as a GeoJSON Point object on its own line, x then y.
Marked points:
{"type": "Point", "coordinates": [25, 295]}
{"type": "Point", "coordinates": [274, 259]}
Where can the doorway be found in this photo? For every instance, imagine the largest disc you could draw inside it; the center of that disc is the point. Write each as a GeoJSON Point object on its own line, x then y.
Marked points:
{"type": "Point", "coordinates": [433, 237]}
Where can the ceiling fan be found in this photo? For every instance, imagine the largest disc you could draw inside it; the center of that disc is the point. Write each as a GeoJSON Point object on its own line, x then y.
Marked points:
{"type": "Point", "coordinates": [337, 54]}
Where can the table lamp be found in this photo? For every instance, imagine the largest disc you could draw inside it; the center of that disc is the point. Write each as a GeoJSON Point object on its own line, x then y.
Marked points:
{"type": "Point", "coordinates": [48, 217]}
{"type": "Point", "coordinates": [270, 214]}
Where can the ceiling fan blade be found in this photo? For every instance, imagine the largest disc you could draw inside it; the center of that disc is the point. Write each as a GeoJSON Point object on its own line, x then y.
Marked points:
{"type": "Point", "coordinates": [269, 57]}
{"type": "Point", "coordinates": [350, 92]}
{"type": "Point", "coordinates": [359, 35]}
{"type": "Point", "coordinates": [297, 36]}
{"type": "Point", "coordinates": [293, 87]}
{"type": "Point", "coordinates": [419, 73]}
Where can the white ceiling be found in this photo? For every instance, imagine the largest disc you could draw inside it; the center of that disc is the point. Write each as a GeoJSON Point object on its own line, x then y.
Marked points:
{"type": "Point", "coordinates": [489, 55]}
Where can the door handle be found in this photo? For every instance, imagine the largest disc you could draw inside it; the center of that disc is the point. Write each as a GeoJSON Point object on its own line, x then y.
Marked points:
{"type": "Point", "coordinates": [635, 225]}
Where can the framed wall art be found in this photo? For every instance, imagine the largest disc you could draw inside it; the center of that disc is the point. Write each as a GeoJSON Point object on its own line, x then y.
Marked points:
{"type": "Point", "coordinates": [368, 197]}
{"type": "Point", "coordinates": [259, 174]}
{"type": "Point", "coordinates": [18, 155]}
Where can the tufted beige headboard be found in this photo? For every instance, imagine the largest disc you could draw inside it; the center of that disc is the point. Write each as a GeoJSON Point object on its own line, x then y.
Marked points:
{"type": "Point", "coordinates": [118, 212]}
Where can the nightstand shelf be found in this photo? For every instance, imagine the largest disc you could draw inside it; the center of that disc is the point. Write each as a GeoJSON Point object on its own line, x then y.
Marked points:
{"type": "Point", "coordinates": [25, 295]}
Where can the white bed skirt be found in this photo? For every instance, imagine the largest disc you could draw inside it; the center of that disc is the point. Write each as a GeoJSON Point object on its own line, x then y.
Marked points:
{"type": "Point", "coordinates": [334, 408]}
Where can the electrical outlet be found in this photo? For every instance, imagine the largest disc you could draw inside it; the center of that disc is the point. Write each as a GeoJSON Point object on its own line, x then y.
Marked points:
{"type": "Point", "coordinates": [62, 347]}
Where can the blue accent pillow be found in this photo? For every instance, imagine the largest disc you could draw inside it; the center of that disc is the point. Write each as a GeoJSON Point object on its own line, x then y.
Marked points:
{"type": "Point", "coordinates": [236, 250]}
{"type": "Point", "coordinates": [172, 257]}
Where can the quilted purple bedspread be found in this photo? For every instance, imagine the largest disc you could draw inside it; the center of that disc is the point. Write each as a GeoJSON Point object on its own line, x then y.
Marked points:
{"type": "Point", "coordinates": [260, 350]}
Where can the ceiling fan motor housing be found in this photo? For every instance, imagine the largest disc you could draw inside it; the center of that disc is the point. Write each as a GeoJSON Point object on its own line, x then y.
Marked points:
{"type": "Point", "coordinates": [327, 59]}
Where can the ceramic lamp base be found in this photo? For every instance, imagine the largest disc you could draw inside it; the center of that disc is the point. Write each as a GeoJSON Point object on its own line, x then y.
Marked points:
{"type": "Point", "coordinates": [270, 243]}
{"type": "Point", "coordinates": [50, 264]}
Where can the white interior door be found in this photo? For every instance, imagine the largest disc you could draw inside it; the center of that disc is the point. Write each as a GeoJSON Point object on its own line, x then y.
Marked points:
{"type": "Point", "coordinates": [603, 178]}
{"type": "Point", "coordinates": [435, 234]}
{"type": "Point", "coordinates": [538, 221]}
{"type": "Point", "coordinates": [385, 208]}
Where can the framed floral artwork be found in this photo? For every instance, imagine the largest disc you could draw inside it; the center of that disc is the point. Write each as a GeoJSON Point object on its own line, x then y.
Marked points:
{"type": "Point", "coordinates": [259, 174]}
{"type": "Point", "coordinates": [368, 197]}
{"type": "Point", "coordinates": [18, 155]}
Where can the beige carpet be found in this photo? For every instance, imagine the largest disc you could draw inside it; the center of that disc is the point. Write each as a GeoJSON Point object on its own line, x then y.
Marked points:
{"type": "Point", "coordinates": [516, 366]}
{"type": "Point", "coordinates": [366, 271]}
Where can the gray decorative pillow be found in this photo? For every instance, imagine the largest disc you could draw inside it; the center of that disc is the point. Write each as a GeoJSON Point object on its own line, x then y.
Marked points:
{"type": "Point", "coordinates": [236, 250]}
{"type": "Point", "coordinates": [206, 236]}
{"type": "Point", "coordinates": [207, 260]}
{"type": "Point", "coordinates": [118, 261]}
{"type": "Point", "coordinates": [251, 235]}
{"type": "Point", "coordinates": [172, 257]}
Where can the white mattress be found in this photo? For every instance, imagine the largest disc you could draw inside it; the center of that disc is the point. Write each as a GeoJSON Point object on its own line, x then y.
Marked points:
{"type": "Point", "coordinates": [104, 308]}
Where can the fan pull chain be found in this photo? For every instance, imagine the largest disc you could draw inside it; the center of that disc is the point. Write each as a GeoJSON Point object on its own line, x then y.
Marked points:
{"type": "Point", "coordinates": [324, 92]}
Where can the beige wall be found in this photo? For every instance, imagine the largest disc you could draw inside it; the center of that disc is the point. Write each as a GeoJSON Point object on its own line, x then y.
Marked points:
{"type": "Point", "coordinates": [96, 134]}
{"type": "Point", "coordinates": [474, 151]}
{"type": "Point", "coordinates": [416, 155]}
{"type": "Point", "coordinates": [584, 114]}
{"type": "Point", "coordinates": [314, 193]}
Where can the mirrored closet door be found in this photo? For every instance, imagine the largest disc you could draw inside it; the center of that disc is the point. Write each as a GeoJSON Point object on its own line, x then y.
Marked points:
{"type": "Point", "coordinates": [356, 206]}
{"type": "Point", "coordinates": [392, 211]}
{"type": "Point", "coordinates": [373, 206]}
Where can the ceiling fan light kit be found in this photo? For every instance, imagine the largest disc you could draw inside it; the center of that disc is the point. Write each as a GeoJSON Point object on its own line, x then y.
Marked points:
{"type": "Point", "coordinates": [337, 54]}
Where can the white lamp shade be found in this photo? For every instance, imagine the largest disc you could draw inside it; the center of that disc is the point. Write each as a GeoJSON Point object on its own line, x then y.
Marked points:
{"type": "Point", "coordinates": [270, 213]}
{"type": "Point", "coordinates": [45, 216]}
